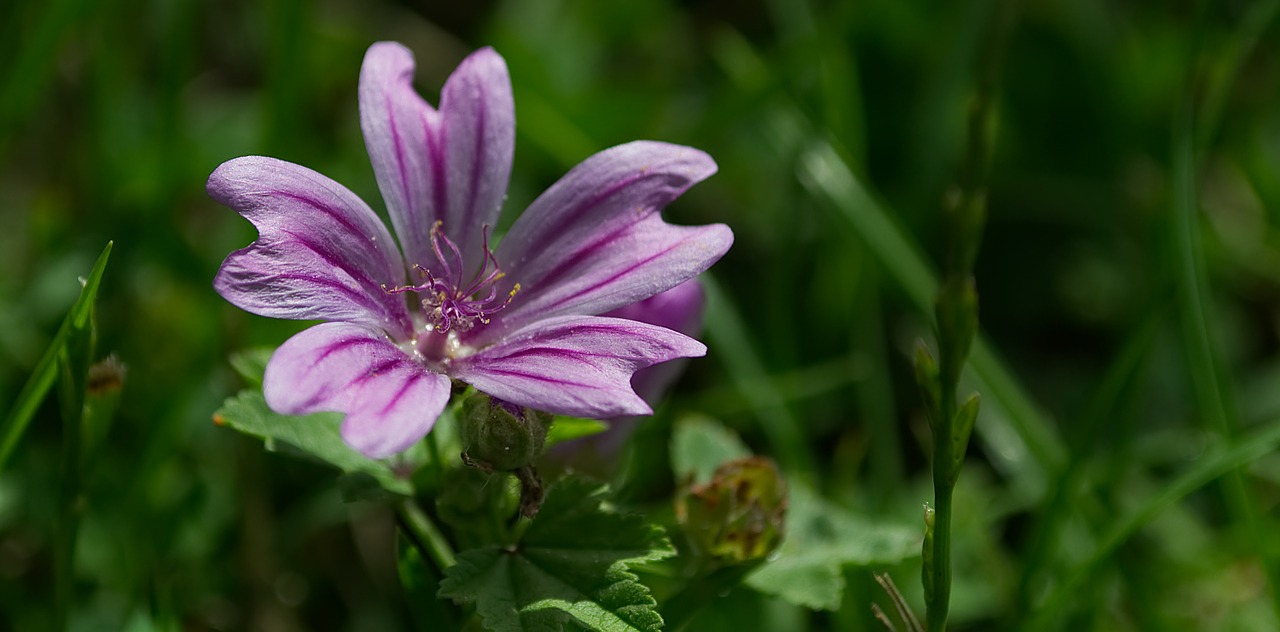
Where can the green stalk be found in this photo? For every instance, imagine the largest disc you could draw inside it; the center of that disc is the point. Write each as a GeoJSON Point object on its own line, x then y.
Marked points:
{"type": "Point", "coordinates": [938, 580]}
{"type": "Point", "coordinates": [956, 309]}
{"type": "Point", "coordinates": [74, 358]}
{"type": "Point", "coordinates": [68, 525]}
{"type": "Point", "coordinates": [424, 534]}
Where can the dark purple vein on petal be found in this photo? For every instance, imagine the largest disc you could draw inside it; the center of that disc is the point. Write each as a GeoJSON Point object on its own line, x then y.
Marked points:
{"type": "Point", "coordinates": [435, 140]}
{"type": "Point", "coordinates": [377, 370]}
{"type": "Point", "coordinates": [469, 212]}
{"type": "Point", "coordinates": [320, 396]}
{"type": "Point", "coordinates": [341, 346]}
{"type": "Point", "coordinates": [624, 272]}
{"type": "Point", "coordinates": [401, 168]}
{"type": "Point", "coordinates": [568, 263]}
{"type": "Point", "coordinates": [573, 216]}
{"type": "Point", "coordinates": [325, 209]}
{"type": "Point", "coordinates": [333, 260]}
{"type": "Point", "coordinates": [494, 370]}
{"type": "Point", "coordinates": [565, 354]}
{"type": "Point", "coordinates": [357, 297]}
{"type": "Point", "coordinates": [409, 380]}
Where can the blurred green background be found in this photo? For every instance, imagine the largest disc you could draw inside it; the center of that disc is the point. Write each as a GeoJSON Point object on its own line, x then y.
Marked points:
{"type": "Point", "coordinates": [1136, 340]}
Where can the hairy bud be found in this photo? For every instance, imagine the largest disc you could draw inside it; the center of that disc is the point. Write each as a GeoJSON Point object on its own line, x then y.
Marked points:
{"type": "Point", "coordinates": [500, 436]}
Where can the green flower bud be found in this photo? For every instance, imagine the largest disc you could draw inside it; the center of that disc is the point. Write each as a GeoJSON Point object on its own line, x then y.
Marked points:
{"type": "Point", "coordinates": [499, 436]}
{"type": "Point", "coordinates": [739, 515]}
{"type": "Point", "coordinates": [961, 428]}
{"type": "Point", "coordinates": [927, 378]}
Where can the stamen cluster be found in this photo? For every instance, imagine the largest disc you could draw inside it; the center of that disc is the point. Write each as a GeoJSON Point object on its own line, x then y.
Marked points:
{"type": "Point", "coordinates": [448, 302]}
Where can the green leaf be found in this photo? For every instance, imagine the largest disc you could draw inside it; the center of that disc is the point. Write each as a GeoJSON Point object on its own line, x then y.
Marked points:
{"type": "Point", "coordinates": [42, 378]}
{"type": "Point", "coordinates": [569, 428]}
{"type": "Point", "coordinates": [700, 444]}
{"type": "Point", "coordinates": [821, 540]}
{"type": "Point", "coordinates": [573, 562]}
{"type": "Point", "coordinates": [318, 435]}
{"type": "Point", "coordinates": [251, 364]}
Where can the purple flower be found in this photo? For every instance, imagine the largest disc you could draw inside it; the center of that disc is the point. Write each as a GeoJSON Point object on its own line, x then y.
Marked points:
{"type": "Point", "coordinates": [518, 321]}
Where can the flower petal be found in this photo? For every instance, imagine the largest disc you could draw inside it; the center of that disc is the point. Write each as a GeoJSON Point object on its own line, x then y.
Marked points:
{"type": "Point", "coordinates": [575, 365]}
{"type": "Point", "coordinates": [679, 309]}
{"type": "Point", "coordinates": [595, 240]}
{"type": "Point", "coordinates": [390, 400]}
{"type": "Point", "coordinates": [321, 253]}
{"type": "Point", "coordinates": [450, 165]}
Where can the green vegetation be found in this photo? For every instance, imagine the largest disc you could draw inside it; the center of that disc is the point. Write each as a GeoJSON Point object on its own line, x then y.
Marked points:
{"type": "Point", "coordinates": [1118, 163]}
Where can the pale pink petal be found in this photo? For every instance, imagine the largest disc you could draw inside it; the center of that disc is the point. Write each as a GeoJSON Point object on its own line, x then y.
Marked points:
{"type": "Point", "coordinates": [679, 309]}
{"type": "Point", "coordinates": [390, 400]}
{"type": "Point", "coordinates": [596, 242]}
{"type": "Point", "coordinates": [575, 365]}
{"type": "Point", "coordinates": [321, 253]}
{"type": "Point", "coordinates": [450, 165]}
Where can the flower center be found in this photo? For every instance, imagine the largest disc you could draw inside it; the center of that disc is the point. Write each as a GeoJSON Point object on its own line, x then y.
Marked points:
{"type": "Point", "coordinates": [449, 302]}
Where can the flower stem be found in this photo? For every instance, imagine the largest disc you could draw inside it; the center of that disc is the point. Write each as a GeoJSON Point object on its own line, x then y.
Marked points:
{"type": "Point", "coordinates": [938, 526]}
{"type": "Point", "coordinates": [956, 309]}
{"type": "Point", "coordinates": [433, 452]}
{"type": "Point", "coordinates": [424, 534]}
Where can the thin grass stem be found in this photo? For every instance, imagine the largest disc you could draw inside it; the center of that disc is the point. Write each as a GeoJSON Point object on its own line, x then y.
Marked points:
{"type": "Point", "coordinates": [425, 535]}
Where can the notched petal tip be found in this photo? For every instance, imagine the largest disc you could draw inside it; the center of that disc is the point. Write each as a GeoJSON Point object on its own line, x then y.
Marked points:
{"type": "Point", "coordinates": [321, 252]}
{"type": "Point", "coordinates": [386, 65]}
{"type": "Point", "coordinates": [680, 160]}
{"type": "Point", "coordinates": [679, 346]}
{"type": "Point", "coordinates": [719, 240]}
{"type": "Point", "coordinates": [596, 241]}
{"type": "Point", "coordinates": [484, 73]}
{"type": "Point", "coordinates": [449, 162]}
{"type": "Point", "coordinates": [222, 184]}
{"type": "Point", "coordinates": [386, 56]}
{"type": "Point", "coordinates": [484, 60]}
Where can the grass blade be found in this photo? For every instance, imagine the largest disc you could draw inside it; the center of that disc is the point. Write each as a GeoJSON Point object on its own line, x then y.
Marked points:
{"type": "Point", "coordinates": [1226, 458]}
{"type": "Point", "coordinates": [1213, 396]}
{"type": "Point", "coordinates": [1023, 438]}
{"type": "Point", "coordinates": [46, 371]}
